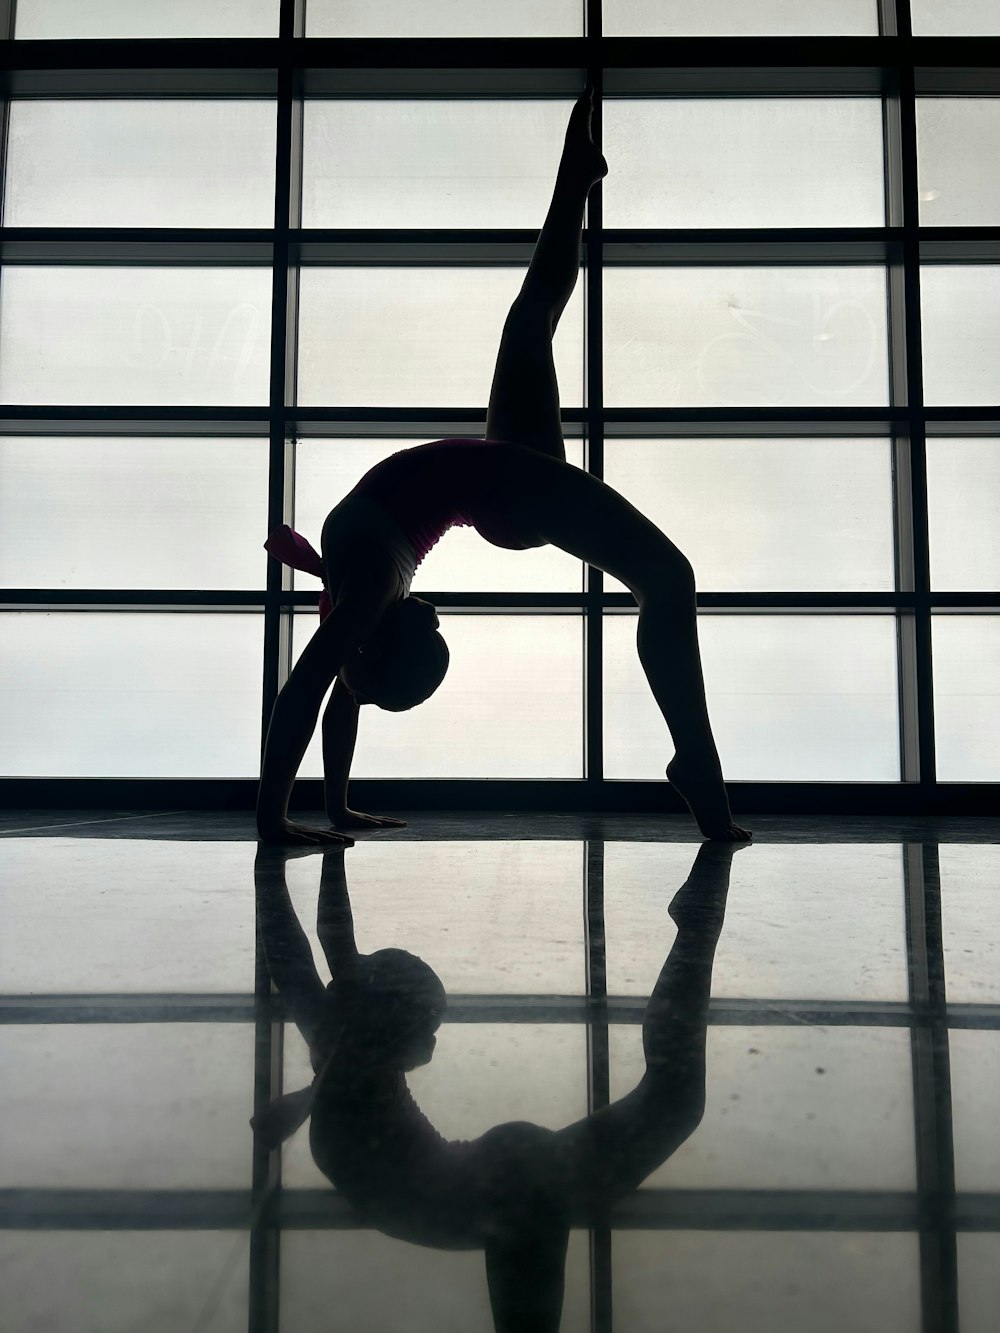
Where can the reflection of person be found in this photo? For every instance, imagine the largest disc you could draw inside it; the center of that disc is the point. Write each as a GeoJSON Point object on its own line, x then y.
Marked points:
{"type": "Point", "coordinates": [516, 1191]}
{"type": "Point", "coordinates": [516, 488]}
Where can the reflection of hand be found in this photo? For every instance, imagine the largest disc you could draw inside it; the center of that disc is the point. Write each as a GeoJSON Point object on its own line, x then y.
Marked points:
{"type": "Point", "coordinates": [288, 834]}
{"type": "Point", "coordinates": [354, 819]}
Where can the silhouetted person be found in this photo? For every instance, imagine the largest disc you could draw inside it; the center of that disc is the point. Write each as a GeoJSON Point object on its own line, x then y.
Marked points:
{"type": "Point", "coordinates": [516, 1191]}
{"type": "Point", "coordinates": [515, 487]}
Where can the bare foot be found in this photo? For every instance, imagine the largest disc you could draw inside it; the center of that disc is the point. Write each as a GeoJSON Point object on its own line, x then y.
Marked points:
{"type": "Point", "coordinates": [705, 794]}
{"type": "Point", "coordinates": [580, 152]}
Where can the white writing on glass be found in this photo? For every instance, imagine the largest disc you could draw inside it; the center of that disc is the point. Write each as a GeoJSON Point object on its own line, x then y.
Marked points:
{"type": "Point", "coordinates": [202, 347]}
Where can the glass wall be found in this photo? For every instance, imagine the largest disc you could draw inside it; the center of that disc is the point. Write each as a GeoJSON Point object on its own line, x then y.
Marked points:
{"type": "Point", "coordinates": [229, 288]}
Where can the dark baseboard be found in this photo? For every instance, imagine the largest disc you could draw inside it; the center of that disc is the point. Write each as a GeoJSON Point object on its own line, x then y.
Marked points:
{"type": "Point", "coordinates": [770, 798]}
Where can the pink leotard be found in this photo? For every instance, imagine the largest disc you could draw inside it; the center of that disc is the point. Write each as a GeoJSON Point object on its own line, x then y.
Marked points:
{"type": "Point", "coordinates": [432, 487]}
{"type": "Point", "coordinates": [410, 500]}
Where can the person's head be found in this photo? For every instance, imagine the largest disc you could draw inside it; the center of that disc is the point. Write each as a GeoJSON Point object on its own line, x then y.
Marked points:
{"type": "Point", "coordinates": [389, 1009]}
{"type": "Point", "coordinates": [403, 662]}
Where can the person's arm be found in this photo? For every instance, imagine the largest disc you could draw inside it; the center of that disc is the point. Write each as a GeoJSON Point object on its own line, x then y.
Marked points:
{"type": "Point", "coordinates": [286, 947]}
{"type": "Point", "coordinates": [340, 734]}
{"type": "Point", "coordinates": [293, 721]}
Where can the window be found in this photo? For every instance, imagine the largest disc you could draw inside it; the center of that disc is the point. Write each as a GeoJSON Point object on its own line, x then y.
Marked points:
{"type": "Point", "coordinates": [229, 287]}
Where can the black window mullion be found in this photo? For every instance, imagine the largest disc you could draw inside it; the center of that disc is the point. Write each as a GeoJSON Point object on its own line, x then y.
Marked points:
{"type": "Point", "coordinates": [923, 690]}
{"type": "Point", "coordinates": [594, 417]}
{"type": "Point", "coordinates": [932, 1106]}
{"type": "Point", "coordinates": [598, 1066]}
{"type": "Point", "coordinates": [284, 291]}
{"type": "Point", "coordinates": [265, 1237]}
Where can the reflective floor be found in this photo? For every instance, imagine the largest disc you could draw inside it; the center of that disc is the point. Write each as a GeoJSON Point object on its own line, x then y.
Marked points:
{"type": "Point", "coordinates": [671, 1086]}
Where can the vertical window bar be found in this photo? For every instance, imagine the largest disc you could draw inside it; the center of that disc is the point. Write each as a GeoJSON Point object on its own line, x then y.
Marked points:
{"type": "Point", "coordinates": [266, 1169]}
{"type": "Point", "coordinates": [887, 18]}
{"type": "Point", "coordinates": [265, 1237]}
{"type": "Point", "coordinates": [284, 301]}
{"type": "Point", "coordinates": [923, 690]}
{"type": "Point", "coordinates": [903, 21]}
{"type": "Point", "coordinates": [906, 677]}
{"type": "Point", "coordinates": [931, 1089]}
{"type": "Point", "coordinates": [7, 8]}
{"type": "Point", "coordinates": [598, 1066]}
{"type": "Point", "coordinates": [594, 460]}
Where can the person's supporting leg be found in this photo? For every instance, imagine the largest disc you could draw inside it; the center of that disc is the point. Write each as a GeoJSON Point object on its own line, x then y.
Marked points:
{"type": "Point", "coordinates": [577, 512]}
{"type": "Point", "coordinates": [524, 399]}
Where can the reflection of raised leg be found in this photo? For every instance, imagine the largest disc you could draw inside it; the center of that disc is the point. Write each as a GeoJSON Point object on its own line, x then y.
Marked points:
{"type": "Point", "coordinates": [524, 400]}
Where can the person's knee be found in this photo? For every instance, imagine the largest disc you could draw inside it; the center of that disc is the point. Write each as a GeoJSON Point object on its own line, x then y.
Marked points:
{"type": "Point", "coordinates": [667, 577]}
{"type": "Point", "coordinates": [528, 327]}
{"type": "Point", "coordinates": [675, 1103]}
{"type": "Point", "coordinates": [691, 1110]}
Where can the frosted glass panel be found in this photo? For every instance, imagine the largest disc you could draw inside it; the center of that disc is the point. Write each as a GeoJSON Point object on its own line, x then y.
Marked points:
{"type": "Point", "coordinates": [127, 1106]}
{"type": "Point", "coordinates": [963, 501]}
{"type": "Point", "coordinates": [728, 337]}
{"type": "Point", "coordinates": [132, 513]}
{"type": "Point", "coordinates": [975, 1097]}
{"type": "Point", "coordinates": [954, 18]}
{"type": "Point", "coordinates": [164, 163]}
{"type": "Point", "coordinates": [169, 336]}
{"type": "Point", "coordinates": [119, 1281]}
{"type": "Point", "coordinates": [443, 18]}
{"type": "Point", "coordinates": [804, 1107]}
{"type": "Point", "coordinates": [744, 162]}
{"type": "Point", "coordinates": [513, 908]}
{"type": "Point", "coordinates": [960, 306]}
{"type": "Point", "coordinates": [841, 908]}
{"type": "Point", "coordinates": [680, 18]}
{"type": "Point", "coordinates": [423, 163]}
{"type": "Point", "coordinates": [325, 470]}
{"type": "Point", "coordinates": [147, 18]}
{"type": "Point", "coordinates": [978, 1264]}
{"type": "Point", "coordinates": [955, 135]}
{"type": "Point", "coordinates": [511, 706]}
{"type": "Point", "coordinates": [105, 694]}
{"type": "Point", "coordinates": [369, 1279]}
{"type": "Point", "coordinates": [792, 698]}
{"type": "Point", "coordinates": [970, 918]}
{"type": "Point", "coordinates": [967, 697]}
{"type": "Point", "coordinates": [759, 1281]}
{"type": "Point", "coordinates": [766, 515]}
{"type": "Point", "coordinates": [416, 337]}
{"type": "Point", "coordinates": [141, 897]}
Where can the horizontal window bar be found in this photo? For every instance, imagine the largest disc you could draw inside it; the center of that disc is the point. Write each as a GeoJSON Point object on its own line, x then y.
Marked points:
{"type": "Point", "coordinates": [221, 1008]}
{"type": "Point", "coordinates": [552, 54]}
{"type": "Point", "coordinates": [428, 423]}
{"type": "Point", "coordinates": [125, 246]}
{"type": "Point", "coordinates": [714, 1210]}
{"type": "Point", "coordinates": [124, 1210]}
{"type": "Point", "coordinates": [514, 603]}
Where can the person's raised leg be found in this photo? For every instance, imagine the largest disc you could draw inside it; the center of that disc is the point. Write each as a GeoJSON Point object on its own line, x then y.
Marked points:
{"type": "Point", "coordinates": [524, 399]}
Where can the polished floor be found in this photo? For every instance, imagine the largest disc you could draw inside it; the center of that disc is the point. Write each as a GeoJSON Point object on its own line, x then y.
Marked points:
{"type": "Point", "coordinates": [839, 1173]}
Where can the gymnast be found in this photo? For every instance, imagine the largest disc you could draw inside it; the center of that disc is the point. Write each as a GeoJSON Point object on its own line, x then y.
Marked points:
{"type": "Point", "coordinates": [517, 1190]}
{"type": "Point", "coordinates": [379, 644]}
